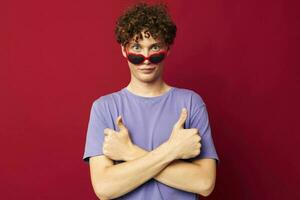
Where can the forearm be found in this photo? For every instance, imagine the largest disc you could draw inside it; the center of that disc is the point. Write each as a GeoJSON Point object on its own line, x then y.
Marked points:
{"type": "Point", "coordinates": [124, 177]}
{"type": "Point", "coordinates": [179, 174]}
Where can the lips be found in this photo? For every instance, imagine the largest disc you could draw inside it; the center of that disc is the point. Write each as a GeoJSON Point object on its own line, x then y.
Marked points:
{"type": "Point", "coordinates": [147, 68]}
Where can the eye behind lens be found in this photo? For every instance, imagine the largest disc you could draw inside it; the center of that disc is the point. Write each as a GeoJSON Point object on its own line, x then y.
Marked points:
{"type": "Point", "coordinates": [157, 58]}
{"type": "Point", "coordinates": [135, 59]}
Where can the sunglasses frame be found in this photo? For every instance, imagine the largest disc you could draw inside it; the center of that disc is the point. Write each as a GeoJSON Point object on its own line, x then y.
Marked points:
{"type": "Point", "coordinates": [146, 58]}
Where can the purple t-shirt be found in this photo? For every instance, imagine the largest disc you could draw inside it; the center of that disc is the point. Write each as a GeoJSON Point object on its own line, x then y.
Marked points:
{"type": "Point", "coordinates": [150, 122]}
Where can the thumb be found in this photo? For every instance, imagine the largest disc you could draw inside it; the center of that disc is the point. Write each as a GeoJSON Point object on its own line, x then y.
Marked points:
{"type": "Point", "coordinates": [108, 131]}
{"type": "Point", "coordinates": [182, 118]}
{"type": "Point", "coordinates": [120, 124]}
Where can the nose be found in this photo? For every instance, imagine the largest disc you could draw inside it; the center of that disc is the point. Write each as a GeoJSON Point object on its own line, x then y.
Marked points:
{"type": "Point", "coordinates": [146, 61]}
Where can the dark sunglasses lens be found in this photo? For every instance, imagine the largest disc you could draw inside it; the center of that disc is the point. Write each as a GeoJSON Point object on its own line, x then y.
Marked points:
{"type": "Point", "coordinates": [135, 59]}
{"type": "Point", "coordinates": [157, 58]}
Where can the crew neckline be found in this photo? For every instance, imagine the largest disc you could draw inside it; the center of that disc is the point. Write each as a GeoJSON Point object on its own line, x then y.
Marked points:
{"type": "Point", "coordinates": [148, 98]}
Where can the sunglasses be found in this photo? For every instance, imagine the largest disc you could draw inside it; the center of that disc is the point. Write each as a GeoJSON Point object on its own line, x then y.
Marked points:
{"type": "Point", "coordinates": [154, 58]}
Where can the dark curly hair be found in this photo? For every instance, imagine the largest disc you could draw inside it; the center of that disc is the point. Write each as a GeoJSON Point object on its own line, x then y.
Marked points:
{"type": "Point", "coordinates": [153, 19]}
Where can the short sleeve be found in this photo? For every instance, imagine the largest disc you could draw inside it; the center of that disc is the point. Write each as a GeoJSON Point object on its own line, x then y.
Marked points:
{"type": "Point", "coordinates": [199, 119]}
{"type": "Point", "coordinates": [95, 135]}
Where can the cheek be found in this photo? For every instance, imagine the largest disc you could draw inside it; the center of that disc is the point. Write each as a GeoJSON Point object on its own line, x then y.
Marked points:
{"type": "Point", "coordinates": [160, 66]}
{"type": "Point", "coordinates": [132, 67]}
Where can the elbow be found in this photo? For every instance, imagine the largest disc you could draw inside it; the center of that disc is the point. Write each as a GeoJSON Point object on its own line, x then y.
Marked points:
{"type": "Point", "coordinates": [207, 188]}
{"type": "Point", "coordinates": [101, 193]}
{"type": "Point", "coordinates": [101, 197]}
{"type": "Point", "coordinates": [205, 193]}
{"type": "Point", "coordinates": [101, 186]}
{"type": "Point", "coordinates": [102, 189]}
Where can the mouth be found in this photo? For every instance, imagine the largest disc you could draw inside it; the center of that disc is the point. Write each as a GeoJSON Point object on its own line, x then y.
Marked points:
{"type": "Point", "coordinates": [147, 70]}
{"type": "Point", "coordinates": [147, 67]}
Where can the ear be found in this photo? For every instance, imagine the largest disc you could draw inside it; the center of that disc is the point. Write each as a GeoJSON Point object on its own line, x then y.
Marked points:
{"type": "Point", "coordinates": [169, 50]}
{"type": "Point", "coordinates": [123, 50]}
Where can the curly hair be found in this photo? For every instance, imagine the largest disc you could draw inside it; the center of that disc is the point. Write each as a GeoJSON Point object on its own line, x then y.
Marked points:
{"type": "Point", "coordinates": [153, 19]}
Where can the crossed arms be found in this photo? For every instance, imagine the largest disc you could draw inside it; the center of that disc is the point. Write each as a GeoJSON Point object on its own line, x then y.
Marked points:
{"type": "Point", "coordinates": [163, 164]}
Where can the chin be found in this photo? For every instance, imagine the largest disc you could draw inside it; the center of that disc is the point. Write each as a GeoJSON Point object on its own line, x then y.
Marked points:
{"type": "Point", "coordinates": [147, 78]}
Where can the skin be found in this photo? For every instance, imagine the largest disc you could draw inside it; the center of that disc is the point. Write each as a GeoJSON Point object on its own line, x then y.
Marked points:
{"type": "Point", "coordinates": [164, 163]}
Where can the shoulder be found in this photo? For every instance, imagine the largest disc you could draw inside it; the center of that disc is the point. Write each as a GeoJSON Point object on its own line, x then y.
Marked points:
{"type": "Point", "coordinates": [190, 95]}
{"type": "Point", "coordinates": [107, 99]}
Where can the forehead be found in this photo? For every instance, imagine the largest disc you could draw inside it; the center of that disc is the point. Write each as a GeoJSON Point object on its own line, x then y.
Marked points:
{"type": "Point", "coordinates": [146, 40]}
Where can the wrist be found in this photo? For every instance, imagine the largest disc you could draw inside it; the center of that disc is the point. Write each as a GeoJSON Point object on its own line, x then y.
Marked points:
{"type": "Point", "coordinates": [135, 152]}
{"type": "Point", "coordinates": [171, 150]}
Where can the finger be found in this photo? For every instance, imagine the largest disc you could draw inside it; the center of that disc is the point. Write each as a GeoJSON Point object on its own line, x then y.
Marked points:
{"type": "Point", "coordinates": [120, 124]}
{"type": "Point", "coordinates": [108, 131]}
{"type": "Point", "coordinates": [182, 118]}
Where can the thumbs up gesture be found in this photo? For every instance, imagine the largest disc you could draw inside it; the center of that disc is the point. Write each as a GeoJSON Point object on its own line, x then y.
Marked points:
{"type": "Point", "coordinates": [117, 145]}
{"type": "Point", "coordinates": [185, 142]}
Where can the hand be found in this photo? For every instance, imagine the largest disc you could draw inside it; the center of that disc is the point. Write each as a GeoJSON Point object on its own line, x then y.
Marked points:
{"type": "Point", "coordinates": [185, 142]}
{"type": "Point", "coordinates": [117, 145]}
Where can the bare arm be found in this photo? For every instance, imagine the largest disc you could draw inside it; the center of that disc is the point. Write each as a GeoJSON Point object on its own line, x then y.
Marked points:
{"type": "Point", "coordinates": [112, 181]}
{"type": "Point", "coordinates": [198, 177]}
{"type": "Point", "coordinates": [117, 180]}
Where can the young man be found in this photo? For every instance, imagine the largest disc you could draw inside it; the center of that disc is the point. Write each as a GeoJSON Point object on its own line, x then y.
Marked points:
{"type": "Point", "coordinates": [149, 140]}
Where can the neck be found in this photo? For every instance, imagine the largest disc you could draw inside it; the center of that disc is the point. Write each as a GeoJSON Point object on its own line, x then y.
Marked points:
{"type": "Point", "coordinates": [152, 89]}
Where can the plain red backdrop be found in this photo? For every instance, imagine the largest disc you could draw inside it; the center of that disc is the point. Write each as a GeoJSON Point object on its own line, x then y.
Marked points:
{"type": "Point", "coordinates": [57, 57]}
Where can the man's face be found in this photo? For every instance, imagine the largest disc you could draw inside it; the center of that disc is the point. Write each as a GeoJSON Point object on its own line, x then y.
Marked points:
{"type": "Point", "coordinates": [146, 46]}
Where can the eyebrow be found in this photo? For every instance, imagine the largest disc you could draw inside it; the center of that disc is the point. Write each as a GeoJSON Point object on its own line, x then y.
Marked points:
{"type": "Point", "coordinates": [135, 43]}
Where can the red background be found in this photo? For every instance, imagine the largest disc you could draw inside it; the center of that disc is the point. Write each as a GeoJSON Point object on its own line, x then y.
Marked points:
{"type": "Point", "coordinates": [56, 57]}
